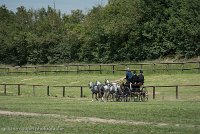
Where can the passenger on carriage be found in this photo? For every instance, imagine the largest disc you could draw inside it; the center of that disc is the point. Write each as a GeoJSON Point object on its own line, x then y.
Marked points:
{"type": "Point", "coordinates": [128, 75]}
{"type": "Point", "coordinates": [135, 80]}
{"type": "Point", "coordinates": [141, 78]}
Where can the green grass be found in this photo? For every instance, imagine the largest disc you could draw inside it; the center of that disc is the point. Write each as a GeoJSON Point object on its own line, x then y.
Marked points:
{"type": "Point", "coordinates": [178, 115]}
{"type": "Point", "coordinates": [88, 128]}
{"type": "Point", "coordinates": [184, 113]}
{"type": "Point", "coordinates": [154, 111]}
{"type": "Point", "coordinates": [83, 79]}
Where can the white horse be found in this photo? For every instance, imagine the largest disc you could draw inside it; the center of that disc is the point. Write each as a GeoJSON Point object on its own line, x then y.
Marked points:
{"type": "Point", "coordinates": [96, 89]}
{"type": "Point", "coordinates": [106, 87]}
{"type": "Point", "coordinates": [113, 90]}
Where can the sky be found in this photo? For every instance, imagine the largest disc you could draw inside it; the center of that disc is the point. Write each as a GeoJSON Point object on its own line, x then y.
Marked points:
{"type": "Point", "coordinates": [65, 6]}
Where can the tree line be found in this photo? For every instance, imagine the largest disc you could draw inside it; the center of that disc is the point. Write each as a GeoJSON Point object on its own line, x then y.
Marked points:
{"type": "Point", "coordinates": [122, 30]}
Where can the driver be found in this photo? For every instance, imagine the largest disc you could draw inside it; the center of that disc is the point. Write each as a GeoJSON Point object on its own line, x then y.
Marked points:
{"type": "Point", "coordinates": [129, 75]}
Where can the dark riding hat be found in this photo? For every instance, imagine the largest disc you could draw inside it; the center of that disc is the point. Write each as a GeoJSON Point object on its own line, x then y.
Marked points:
{"type": "Point", "coordinates": [141, 71]}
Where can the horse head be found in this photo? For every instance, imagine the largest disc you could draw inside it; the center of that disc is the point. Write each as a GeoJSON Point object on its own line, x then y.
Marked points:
{"type": "Point", "coordinates": [107, 82]}
{"type": "Point", "coordinates": [90, 84]}
{"type": "Point", "coordinates": [98, 83]}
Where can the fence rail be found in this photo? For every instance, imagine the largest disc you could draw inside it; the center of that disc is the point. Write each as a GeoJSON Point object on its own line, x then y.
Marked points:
{"type": "Point", "coordinates": [113, 68]}
{"type": "Point", "coordinates": [82, 87]}
{"type": "Point", "coordinates": [168, 86]}
{"type": "Point", "coordinates": [45, 86]}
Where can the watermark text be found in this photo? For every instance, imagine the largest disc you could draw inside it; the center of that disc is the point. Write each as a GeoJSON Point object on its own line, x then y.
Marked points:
{"type": "Point", "coordinates": [31, 129]}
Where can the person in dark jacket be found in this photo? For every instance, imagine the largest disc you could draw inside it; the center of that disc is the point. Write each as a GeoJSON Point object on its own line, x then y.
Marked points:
{"type": "Point", "coordinates": [141, 77]}
{"type": "Point", "coordinates": [135, 77]}
{"type": "Point", "coordinates": [128, 75]}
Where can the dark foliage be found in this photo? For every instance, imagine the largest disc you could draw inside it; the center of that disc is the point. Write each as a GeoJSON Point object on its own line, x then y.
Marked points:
{"type": "Point", "coordinates": [123, 30]}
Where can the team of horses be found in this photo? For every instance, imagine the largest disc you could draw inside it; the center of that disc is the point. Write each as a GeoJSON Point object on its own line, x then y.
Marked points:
{"type": "Point", "coordinates": [112, 91]}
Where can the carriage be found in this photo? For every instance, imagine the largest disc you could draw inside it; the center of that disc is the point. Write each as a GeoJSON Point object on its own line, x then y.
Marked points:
{"type": "Point", "coordinates": [134, 92]}
{"type": "Point", "coordinates": [134, 84]}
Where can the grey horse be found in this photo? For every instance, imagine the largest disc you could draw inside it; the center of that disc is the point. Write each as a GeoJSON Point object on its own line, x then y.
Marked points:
{"type": "Point", "coordinates": [96, 89]}
{"type": "Point", "coordinates": [114, 90]}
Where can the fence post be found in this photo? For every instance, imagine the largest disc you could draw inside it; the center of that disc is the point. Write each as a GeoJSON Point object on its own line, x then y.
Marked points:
{"type": "Point", "coordinates": [77, 69]}
{"type": "Point", "coordinates": [33, 90]}
{"type": "Point", "coordinates": [18, 89]}
{"type": "Point", "coordinates": [67, 67]}
{"type": "Point", "coordinates": [36, 69]}
{"type": "Point", "coordinates": [5, 89]}
{"type": "Point", "coordinates": [89, 68]}
{"type": "Point", "coordinates": [154, 67]}
{"type": "Point", "coordinates": [176, 92]}
{"type": "Point", "coordinates": [167, 67]}
{"type": "Point", "coordinates": [63, 91]}
{"type": "Point", "coordinates": [154, 92]}
{"type": "Point", "coordinates": [183, 66]}
{"type": "Point", "coordinates": [48, 91]}
{"type": "Point", "coordinates": [81, 91]}
{"type": "Point", "coordinates": [44, 69]}
{"type": "Point", "coordinates": [26, 70]}
{"type": "Point", "coordinates": [8, 70]}
{"type": "Point", "coordinates": [140, 66]}
{"type": "Point", "coordinates": [100, 69]}
{"type": "Point", "coordinates": [113, 69]}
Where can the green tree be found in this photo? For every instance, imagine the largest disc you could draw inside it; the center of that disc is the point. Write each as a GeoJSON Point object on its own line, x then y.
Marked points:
{"type": "Point", "coordinates": [6, 23]}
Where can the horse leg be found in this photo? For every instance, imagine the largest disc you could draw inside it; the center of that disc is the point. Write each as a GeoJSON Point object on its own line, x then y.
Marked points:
{"type": "Point", "coordinates": [102, 95]}
{"type": "Point", "coordinates": [92, 96]}
{"type": "Point", "coordinates": [113, 96]}
{"type": "Point", "coordinates": [102, 98]}
{"type": "Point", "coordinates": [96, 97]}
{"type": "Point", "coordinates": [108, 96]}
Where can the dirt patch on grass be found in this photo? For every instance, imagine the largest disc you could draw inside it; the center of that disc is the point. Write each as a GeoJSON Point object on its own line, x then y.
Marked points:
{"type": "Point", "coordinates": [75, 119]}
{"type": "Point", "coordinates": [92, 119]}
{"type": "Point", "coordinates": [19, 113]}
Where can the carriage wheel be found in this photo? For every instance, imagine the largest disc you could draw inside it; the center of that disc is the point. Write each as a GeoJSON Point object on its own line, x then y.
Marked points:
{"type": "Point", "coordinates": [132, 96]}
{"type": "Point", "coordinates": [135, 96]}
{"type": "Point", "coordinates": [127, 95]}
{"type": "Point", "coordinates": [111, 97]}
{"type": "Point", "coordinates": [126, 98]}
{"type": "Point", "coordinates": [144, 94]}
{"type": "Point", "coordinates": [119, 98]}
{"type": "Point", "coordinates": [116, 97]}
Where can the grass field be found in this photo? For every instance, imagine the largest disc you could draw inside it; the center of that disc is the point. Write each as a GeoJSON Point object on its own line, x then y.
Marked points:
{"type": "Point", "coordinates": [73, 114]}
